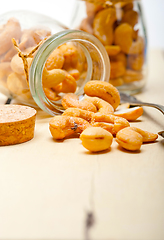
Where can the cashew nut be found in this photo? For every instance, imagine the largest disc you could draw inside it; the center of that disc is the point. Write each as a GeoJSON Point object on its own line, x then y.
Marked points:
{"type": "Point", "coordinates": [71, 55]}
{"type": "Point", "coordinates": [96, 139]}
{"type": "Point", "coordinates": [52, 95]}
{"type": "Point", "coordinates": [64, 126]}
{"type": "Point", "coordinates": [130, 17]}
{"type": "Point", "coordinates": [147, 136]}
{"type": "Point", "coordinates": [103, 90]}
{"type": "Point", "coordinates": [135, 62]}
{"type": "Point", "coordinates": [123, 37]}
{"type": "Point", "coordinates": [130, 114]}
{"type": "Point", "coordinates": [72, 100]}
{"type": "Point", "coordinates": [53, 77]}
{"type": "Point", "coordinates": [117, 69]}
{"type": "Point", "coordinates": [77, 112]}
{"type": "Point", "coordinates": [11, 29]}
{"type": "Point", "coordinates": [101, 105]}
{"type": "Point", "coordinates": [55, 60]}
{"type": "Point", "coordinates": [107, 126]}
{"type": "Point", "coordinates": [119, 122]}
{"type": "Point", "coordinates": [17, 64]}
{"type": "Point", "coordinates": [103, 25]}
{"type": "Point", "coordinates": [112, 50]}
{"type": "Point", "coordinates": [17, 85]}
{"type": "Point", "coordinates": [129, 139]}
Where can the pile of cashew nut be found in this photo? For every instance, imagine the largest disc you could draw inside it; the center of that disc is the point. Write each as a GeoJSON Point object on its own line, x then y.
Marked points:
{"type": "Point", "coordinates": [116, 27]}
{"type": "Point", "coordinates": [97, 119]}
{"type": "Point", "coordinates": [62, 70]}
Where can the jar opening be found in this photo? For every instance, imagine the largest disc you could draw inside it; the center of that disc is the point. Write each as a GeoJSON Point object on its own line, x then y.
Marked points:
{"type": "Point", "coordinates": [83, 54]}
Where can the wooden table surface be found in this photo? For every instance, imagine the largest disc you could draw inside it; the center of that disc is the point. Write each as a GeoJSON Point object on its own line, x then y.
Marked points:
{"type": "Point", "coordinates": [58, 190]}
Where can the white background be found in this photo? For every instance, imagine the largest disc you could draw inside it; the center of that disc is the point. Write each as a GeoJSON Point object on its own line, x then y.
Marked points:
{"type": "Point", "coordinates": [62, 10]}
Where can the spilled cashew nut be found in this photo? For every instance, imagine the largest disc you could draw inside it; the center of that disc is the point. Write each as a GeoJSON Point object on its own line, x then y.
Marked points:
{"type": "Point", "coordinates": [107, 126]}
{"type": "Point", "coordinates": [147, 136]}
{"type": "Point", "coordinates": [101, 105]}
{"type": "Point", "coordinates": [77, 112]}
{"type": "Point", "coordinates": [89, 116]}
{"type": "Point", "coordinates": [103, 90]}
{"type": "Point", "coordinates": [72, 100]}
{"type": "Point", "coordinates": [130, 114]}
{"type": "Point", "coordinates": [64, 126]}
{"type": "Point", "coordinates": [96, 139]}
{"type": "Point", "coordinates": [109, 122]}
{"type": "Point", "coordinates": [119, 122]}
{"type": "Point", "coordinates": [129, 139]}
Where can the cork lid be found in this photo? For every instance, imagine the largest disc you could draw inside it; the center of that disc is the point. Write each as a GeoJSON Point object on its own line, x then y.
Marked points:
{"type": "Point", "coordinates": [14, 113]}
{"type": "Point", "coordinates": [17, 124]}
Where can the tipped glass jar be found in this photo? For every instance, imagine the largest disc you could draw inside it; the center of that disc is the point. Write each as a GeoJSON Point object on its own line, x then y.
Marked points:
{"type": "Point", "coordinates": [119, 25]}
{"type": "Point", "coordinates": [41, 60]}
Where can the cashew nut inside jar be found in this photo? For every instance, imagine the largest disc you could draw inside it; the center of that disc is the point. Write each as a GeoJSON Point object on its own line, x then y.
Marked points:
{"type": "Point", "coordinates": [41, 60]}
{"type": "Point", "coordinates": [120, 26]}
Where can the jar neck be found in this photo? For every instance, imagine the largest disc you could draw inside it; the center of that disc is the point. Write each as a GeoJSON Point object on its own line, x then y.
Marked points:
{"type": "Point", "coordinates": [98, 65]}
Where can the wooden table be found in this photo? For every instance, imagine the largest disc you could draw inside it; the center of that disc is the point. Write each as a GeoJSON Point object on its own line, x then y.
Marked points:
{"type": "Point", "coordinates": [58, 190]}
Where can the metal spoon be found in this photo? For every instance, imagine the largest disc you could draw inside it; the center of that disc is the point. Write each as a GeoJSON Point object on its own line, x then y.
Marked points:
{"type": "Point", "coordinates": [133, 101]}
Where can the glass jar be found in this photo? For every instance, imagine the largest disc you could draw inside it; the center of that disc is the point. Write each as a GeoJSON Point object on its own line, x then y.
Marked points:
{"type": "Point", "coordinates": [120, 26]}
{"type": "Point", "coordinates": [41, 60]}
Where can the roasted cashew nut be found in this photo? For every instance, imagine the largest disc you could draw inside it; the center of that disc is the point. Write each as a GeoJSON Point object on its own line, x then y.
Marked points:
{"type": "Point", "coordinates": [123, 37]}
{"type": "Point", "coordinates": [96, 139]}
{"type": "Point", "coordinates": [11, 29]}
{"type": "Point", "coordinates": [101, 105]}
{"type": "Point", "coordinates": [77, 112]}
{"type": "Point", "coordinates": [72, 100]}
{"type": "Point", "coordinates": [130, 17]}
{"type": "Point", "coordinates": [103, 25]}
{"type": "Point", "coordinates": [131, 138]}
{"type": "Point", "coordinates": [53, 77]}
{"type": "Point", "coordinates": [103, 90]}
{"type": "Point", "coordinates": [68, 85]}
{"type": "Point", "coordinates": [64, 126]}
{"type": "Point", "coordinates": [55, 60]}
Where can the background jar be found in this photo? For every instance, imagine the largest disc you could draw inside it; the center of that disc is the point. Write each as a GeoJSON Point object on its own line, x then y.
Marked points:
{"type": "Point", "coordinates": [76, 55]}
{"type": "Point", "coordinates": [120, 27]}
